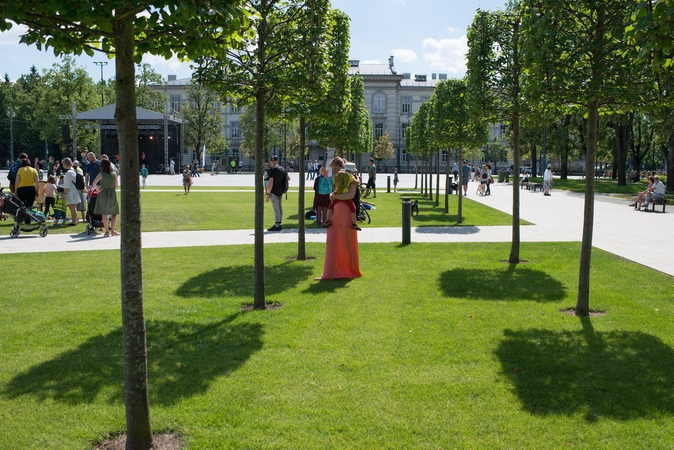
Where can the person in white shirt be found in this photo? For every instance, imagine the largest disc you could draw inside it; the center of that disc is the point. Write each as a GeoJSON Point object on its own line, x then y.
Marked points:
{"type": "Point", "coordinates": [547, 180]}
{"type": "Point", "coordinates": [657, 191]}
{"type": "Point", "coordinates": [310, 170]}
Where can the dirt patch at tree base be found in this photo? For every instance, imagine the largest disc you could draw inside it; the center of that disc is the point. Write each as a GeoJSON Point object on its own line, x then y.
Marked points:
{"type": "Point", "coordinates": [593, 312]}
{"type": "Point", "coordinates": [522, 261]}
{"type": "Point", "coordinates": [159, 442]}
{"type": "Point", "coordinates": [294, 258]}
{"type": "Point", "coordinates": [269, 306]}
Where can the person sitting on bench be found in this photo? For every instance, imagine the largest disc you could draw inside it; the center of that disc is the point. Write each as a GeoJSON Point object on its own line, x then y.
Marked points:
{"type": "Point", "coordinates": [657, 191]}
{"type": "Point", "coordinates": [525, 180]}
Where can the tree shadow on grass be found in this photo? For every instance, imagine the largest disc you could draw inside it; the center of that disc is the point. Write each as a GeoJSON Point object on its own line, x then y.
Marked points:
{"type": "Point", "coordinates": [327, 286]}
{"type": "Point", "coordinates": [183, 360]}
{"type": "Point", "coordinates": [513, 284]}
{"type": "Point", "coordinates": [240, 281]}
{"type": "Point", "coordinates": [623, 375]}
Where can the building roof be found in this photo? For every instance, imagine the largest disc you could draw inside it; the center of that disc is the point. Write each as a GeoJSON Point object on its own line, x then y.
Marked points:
{"type": "Point", "coordinates": [107, 114]}
{"type": "Point", "coordinates": [371, 69]}
{"type": "Point", "coordinates": [411, 83]}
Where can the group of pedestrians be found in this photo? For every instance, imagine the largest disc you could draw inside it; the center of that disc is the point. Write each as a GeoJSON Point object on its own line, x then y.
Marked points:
{"type": "Point", "coordinates": [313, 169]}
{"type": "Point", "coordinates": [67, 185]}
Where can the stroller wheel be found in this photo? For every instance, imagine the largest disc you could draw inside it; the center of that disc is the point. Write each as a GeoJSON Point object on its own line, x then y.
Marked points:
{"type": "Point", "coordinates": [14, 233]}
{"type": "Point", "coordinates": [88, 230]}
{"type": "Point", "coordinates": [44, 230]}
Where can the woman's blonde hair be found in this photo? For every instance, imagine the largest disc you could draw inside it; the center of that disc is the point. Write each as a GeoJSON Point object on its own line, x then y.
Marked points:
{"type": "Point", "coordinates": [67, 163]}
{"type": "Point", "coordinates": [338, 162]}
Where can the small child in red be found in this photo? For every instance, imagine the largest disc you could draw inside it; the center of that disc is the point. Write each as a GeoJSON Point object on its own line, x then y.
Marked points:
{"type": "Point", "coordinates": [343, 180]}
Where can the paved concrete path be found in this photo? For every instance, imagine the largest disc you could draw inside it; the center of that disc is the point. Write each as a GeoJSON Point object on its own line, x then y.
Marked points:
{"type": "Point", "coordinates": [642, 237]}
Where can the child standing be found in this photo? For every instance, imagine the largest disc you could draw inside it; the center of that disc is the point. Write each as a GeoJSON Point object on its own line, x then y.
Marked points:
{"type": "Point", "coordinates": [187, 179]}
{"type": "Point", "coordinates": [49, 193]}
{"type": "Point", "coordinates": [343, 180]}
{"type": "Point", "coordinates": [60, 208]}
{"type": "Point", "coordinates": [143, 175]}
{"type": "Point", "coordinates": [395, 180]}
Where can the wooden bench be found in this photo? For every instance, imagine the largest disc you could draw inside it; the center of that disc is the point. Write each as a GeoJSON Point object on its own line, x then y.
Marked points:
{"type": "Point", "coordinates": [658, 201]}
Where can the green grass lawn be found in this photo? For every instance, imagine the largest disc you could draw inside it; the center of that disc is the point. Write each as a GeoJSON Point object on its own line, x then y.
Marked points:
{"type": "Point", "coordinates": [423, 351]}
{"type": "Point", "coordinates": [174, 211]}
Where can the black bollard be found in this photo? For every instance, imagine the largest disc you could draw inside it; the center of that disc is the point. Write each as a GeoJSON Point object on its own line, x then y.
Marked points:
{"type": "Point", "coordinates": [388, 184]}
{"type": "Point", "coordinates": [407, 221]}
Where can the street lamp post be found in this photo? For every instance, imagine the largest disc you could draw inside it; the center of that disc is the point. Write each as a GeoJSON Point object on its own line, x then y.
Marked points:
{"type": "Point", "coordinates": [101, 64]}
{"type": "Point", "coordinates": [11, 115]}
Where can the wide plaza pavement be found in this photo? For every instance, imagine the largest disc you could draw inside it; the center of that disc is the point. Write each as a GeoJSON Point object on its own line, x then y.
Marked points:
{"type": "Point", "coordinates": [643, 237]}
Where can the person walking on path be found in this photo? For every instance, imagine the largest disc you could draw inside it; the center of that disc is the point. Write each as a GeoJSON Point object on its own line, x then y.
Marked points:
{"type": "Point", "coordinates": [372, 177]}
{"type": "Point", "coordinates": [27, 183]}
{"type": "Point", "coordinates": [466, 174]}
{"type": "Point", "coordinates": [395, 180]}
{"type": "Point", "coordinates": [79, 178]}
{"type": "Point", "coordinates": [310, 170]}
{"type": "Point", "coordinates": [106, 202]}
{"type": "Point", "coordinates": [547, 180]}
{"type": "Point", "coordinates": [172, 167]}
{"type": "Point", "coordinates": [276, 187]}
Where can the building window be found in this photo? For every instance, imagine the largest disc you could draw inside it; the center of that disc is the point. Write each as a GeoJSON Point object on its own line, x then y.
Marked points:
{"type": "Point", "coordinates": [404, 156]}
{"type": "Point", "coordinates": [378, 130]}
{"type": "Point", "coordinates": [379, 103]}
{"type": "Point", "coordinates": [503, 130]}
{"type": "Point", "coordinates": [234, 130]}
{"type": "Point", "coordinates": [444, 156]}
{"type": "Point", "coordinates": [406, 105]}
{"type": "Point", "coordinates": [216, 106]}
{"type": "Point", "coordinates": [175, 102]}
{"type": "Point", "coordinates": [403, 130]}
{"type": "Point", "coordinates": [235, 109]}
{"type": "Point", "coordinates": [235, 153]}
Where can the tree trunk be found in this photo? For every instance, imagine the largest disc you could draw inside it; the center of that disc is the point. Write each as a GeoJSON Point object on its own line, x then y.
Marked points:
{"type": "Point", "coordinates": [534, 166]}
{"type": "Point", "coordinates": [459, 209]}
{"type": "Point", "coordinates": [670, 162]}
{"type": "Point", "coordinates": [583, 302]}
{"type": "Point", "coordinates": [416, 174]}
{"type": "Point", "coordinates": [301, 237]}
{"type": "Point", "coordinates": [424, 178]}
{"type": "Point", "coordinates": [514, 257]}
{"type": "Point", "coordinates": [437, 178]}
{"type": "Point", "coordinates": [430, 177]}
{"type": "Point", "coordinates": [138, 426]}
{"type": "Point", "coordinates": [565, 162]}
{"type": "Point", "coordinates": [259, 301]}
{"type": "Point", "coordinates": [622, 134]}
{"type": "Point", "coordinates": [447, 183]}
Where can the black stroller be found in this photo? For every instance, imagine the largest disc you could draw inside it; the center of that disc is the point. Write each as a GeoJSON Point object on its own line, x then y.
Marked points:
{"type": "Point", "coordinates": [24, 219]}
{"type": "Point", "coordinates": [93, 220]}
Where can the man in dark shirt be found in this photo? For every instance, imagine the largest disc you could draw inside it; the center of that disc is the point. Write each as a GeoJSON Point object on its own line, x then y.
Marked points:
{"type": "Point", "coordinates": [92, 169]}
{"type": "Point", "coordinates": [276, 186]}
{"type": "Point", "coordinates": [372, 177]}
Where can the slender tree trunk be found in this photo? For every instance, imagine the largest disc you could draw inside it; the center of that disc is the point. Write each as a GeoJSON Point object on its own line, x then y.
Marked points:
{"type": "Point", "coordinates": [437, 178]}
{"type": "Point", "coordinates": [459, 209]}
{"type": "Point", "coordinates": [430, 177]}
{"type": "Point", "coordinates": [424, 178]}
{"type": "Point", "coordinates": [138, 426]}
{"type": "Point", "coordinates": [416, 174]}
{"type": "Point", "coordinates": [447, 182]}
{"type": "Point", "coordinates": [670, 162]}
{"type": "Point", "coordinates": [534, 166]}
{"type": "Point", "coordinates": [583, 302]}
{"type": "Point", "coordinates": [622, 134]}
{"type": "Point", "coordinates": [301, 237]}
{"type": "Point", "coordinates": [514, 257]}
{"type": "Point", "coordinates": [565, 162]}
{"type": "Point", "coordinates": [260, 189]}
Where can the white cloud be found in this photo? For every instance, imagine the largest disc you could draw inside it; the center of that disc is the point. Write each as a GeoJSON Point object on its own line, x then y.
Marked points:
{"type": "Point", "coordinates": [12, 36]}
{"type": "Point", "coordinates": [10, 56]}
{"type": "Point", "coordinates": [447, 54]}
{"type": "Point", "coordinates": [171, 66]}
{"type": "Point", "coordinates": [371, 61]}
{"type": "Point", "coordinates": [404, 55]}
{"type": "Point", "coordinates": [454, 29]}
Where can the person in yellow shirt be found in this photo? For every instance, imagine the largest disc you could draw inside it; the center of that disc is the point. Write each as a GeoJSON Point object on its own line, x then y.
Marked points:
{"type": "Point", "coordinates": [27, 183]}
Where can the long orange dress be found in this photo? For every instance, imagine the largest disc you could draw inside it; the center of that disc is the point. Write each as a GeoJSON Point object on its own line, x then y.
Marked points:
{"type": "Point", "coordinates": [341, 248]}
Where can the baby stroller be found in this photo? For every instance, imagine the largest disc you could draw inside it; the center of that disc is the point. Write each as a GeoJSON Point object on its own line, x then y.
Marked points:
{"type": "Point", "coordinates": [24, 219]}
{"type": "Point", "coordinates": [93, 220]}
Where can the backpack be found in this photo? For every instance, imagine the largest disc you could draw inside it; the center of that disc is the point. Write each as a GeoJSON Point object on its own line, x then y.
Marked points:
{"type": "Point", "coordinates": [324, 186]}
{"type": "Point", "coordinates": [286, 183]}
{"type": "Point", "coordinates": [11, 176]}
{"type": "Point", "coordinates": [79, 181]}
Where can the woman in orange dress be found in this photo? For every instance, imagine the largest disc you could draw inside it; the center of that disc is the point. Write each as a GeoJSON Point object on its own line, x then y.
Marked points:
{"type": "Point", "coordinates": [341, 249]}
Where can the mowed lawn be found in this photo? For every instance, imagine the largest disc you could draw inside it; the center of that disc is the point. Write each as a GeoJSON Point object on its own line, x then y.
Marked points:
{"type": "Point", "coordinates": [206, 210]}
{"type": "Point", "coordinates": [426, 350]}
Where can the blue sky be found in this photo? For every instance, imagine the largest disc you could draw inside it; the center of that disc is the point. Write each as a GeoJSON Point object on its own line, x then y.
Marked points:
{"type": "Point", "coordinates": [425, 36]}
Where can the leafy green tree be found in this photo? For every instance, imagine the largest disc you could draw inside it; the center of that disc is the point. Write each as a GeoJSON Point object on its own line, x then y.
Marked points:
{"type": "Point", "coordinates": [272, 63]}
{"type": "Point", "coordinates": [146, 96]}
{"type": "Point", "coordinates": [272, 137]}
{"type": "Point", "coordinates": [575, 54]}
{"type": "Point", "coordinates": [383, 147]}
{"type": "Point", "coordinates": [495, 77]}
{"type": "Point", "coordinates": [203, 121]}
{"type": "Point", "coordinates": [128, 30]}
{"type": "Point", "coordinates": [455, 126]}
